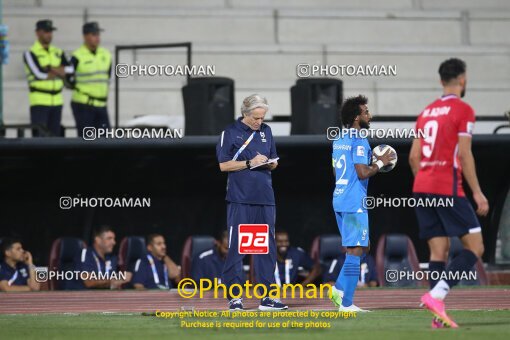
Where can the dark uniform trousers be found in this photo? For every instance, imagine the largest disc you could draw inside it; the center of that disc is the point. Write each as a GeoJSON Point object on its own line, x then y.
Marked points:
{"type": "Point", "coordinates": [48, 116]}
{"type": "Point", "coordinates": [89, 116]}
{"type": "Point", "coordinates": [264, 264]}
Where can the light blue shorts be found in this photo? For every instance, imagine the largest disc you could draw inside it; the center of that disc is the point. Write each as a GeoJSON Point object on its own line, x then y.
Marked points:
{"type": "Point", "coordinates": [353, 228]}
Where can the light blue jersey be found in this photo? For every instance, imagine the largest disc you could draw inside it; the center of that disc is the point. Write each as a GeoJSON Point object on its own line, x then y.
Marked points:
{"type": "Point", "coordinates": [349, 189]}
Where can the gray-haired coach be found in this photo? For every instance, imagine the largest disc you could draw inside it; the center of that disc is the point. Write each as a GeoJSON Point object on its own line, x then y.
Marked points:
{"type": "Point", "coordinates": [250, 198]}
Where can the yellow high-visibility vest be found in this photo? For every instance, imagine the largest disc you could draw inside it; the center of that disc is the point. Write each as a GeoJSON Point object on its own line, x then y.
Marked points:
{"type": "Point", "coordinates": [46, 92]}
{"type": "Point", "coordinates": [92, 76]}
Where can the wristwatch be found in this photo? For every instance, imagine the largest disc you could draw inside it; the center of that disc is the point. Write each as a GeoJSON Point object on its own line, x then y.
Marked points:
{"type": "Point", "coordinates": [248, 164]}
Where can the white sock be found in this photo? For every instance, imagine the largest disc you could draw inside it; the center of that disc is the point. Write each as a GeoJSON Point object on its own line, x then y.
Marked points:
{"type": "Point", "coordinates": [440, 290]}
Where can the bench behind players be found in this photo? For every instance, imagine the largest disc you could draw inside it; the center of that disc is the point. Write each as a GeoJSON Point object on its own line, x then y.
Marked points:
{"type": "Point", "coordinates": [438, 161]}
{"type": "Point", "coordinates": [17, 271]}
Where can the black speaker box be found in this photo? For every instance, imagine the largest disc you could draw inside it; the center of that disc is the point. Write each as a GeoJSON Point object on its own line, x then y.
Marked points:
{"type": "Point", "coordinates": [208, 105]}
{"type": "Point", "coordinates": [315, 104]}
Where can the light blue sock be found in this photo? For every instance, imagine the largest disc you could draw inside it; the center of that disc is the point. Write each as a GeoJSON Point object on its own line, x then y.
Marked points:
{"type": "Point", "coordinates": [349, 276]}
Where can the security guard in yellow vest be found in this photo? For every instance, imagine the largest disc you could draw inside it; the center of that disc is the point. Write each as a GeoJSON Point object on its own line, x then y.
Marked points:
{"type": "Point", "coordinates": [46, 67]}
{"type": "Point", "coordinates": [93, 66]}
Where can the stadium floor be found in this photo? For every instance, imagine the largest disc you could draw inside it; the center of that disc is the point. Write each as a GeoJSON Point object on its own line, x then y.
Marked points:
{"type": "Point", "coordinates": [150, 301]}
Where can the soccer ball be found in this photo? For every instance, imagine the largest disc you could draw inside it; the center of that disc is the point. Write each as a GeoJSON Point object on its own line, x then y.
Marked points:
{"type": "Point", "coordinates": [380, 150]}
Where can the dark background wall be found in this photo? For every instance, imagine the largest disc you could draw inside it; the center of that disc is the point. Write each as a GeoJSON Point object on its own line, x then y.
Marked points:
{"type": "Point", "coordinates": [187, 189]}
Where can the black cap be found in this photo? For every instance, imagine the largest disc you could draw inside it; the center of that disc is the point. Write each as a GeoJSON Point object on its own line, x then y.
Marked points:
{"type": "Point", "coordinates": [91, 27]}
{"type": "Point", "coordinates": [45, 25]}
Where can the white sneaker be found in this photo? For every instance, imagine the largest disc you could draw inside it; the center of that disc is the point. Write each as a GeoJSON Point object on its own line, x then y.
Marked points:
{"type": "Point", "coordinates": [352, 308]}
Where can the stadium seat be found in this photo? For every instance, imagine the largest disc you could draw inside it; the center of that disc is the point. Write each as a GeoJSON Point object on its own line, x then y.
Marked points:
{"type": "Point", "coordinates": [325, 249]}
{"type": "Point", "coordinates": [395, 252]}
{"type": "Point", "coordinates": [62, 254]}
{"type": "Point", "coordinates": [481, 275]}
{"type": "Point", "coordinates": [193, 246]}
{"type": "Point", "coordinates": [131, 249]}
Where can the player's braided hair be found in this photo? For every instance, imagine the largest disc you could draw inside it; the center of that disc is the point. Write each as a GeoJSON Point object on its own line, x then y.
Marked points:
{"type": "Point", "coordinates": [351, 109]}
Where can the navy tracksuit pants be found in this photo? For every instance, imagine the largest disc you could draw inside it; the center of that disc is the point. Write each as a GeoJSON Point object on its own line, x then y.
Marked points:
{"type": "Point", "coordinates": [89, 116]}
{"type": "Point", "coordinates": [47, 116]}
{"type": "Point", "coordinates": [264, 264]}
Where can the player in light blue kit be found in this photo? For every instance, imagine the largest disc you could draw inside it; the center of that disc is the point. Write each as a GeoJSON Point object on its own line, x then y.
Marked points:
{"type": "Point", "coordinates": [352, 164]}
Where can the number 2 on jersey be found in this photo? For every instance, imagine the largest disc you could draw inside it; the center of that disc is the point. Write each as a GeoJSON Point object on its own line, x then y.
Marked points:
{"type": "Point", "coordinates": [341, 163]}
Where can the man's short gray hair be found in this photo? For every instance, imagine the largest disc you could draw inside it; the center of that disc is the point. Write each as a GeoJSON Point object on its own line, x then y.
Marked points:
{"type": "Point", "coordinates": [253, 102]}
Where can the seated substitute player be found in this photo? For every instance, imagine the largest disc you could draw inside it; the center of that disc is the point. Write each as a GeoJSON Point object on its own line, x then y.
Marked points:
{"type": "Point", "coordinates": [98, 259]}
{"type": "Point", "coordinates": [438, 162]}
{"type": "Point", "coordinates": [368, 272]}
{"type": "Point", "coordinates": [17, 271]}
{"type": "Point", "coordinates": [352, 164]}
{"type": "Point", "coordinates": [288, 261]}
{"type": "Point", "coordinates": [156, 268]}
{"type": "Point", "coordinates": [209, 264]}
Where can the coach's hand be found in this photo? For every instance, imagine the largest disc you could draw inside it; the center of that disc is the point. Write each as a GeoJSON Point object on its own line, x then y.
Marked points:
{"type": "Point", "coordinates": [481, 203]}
{"type": "Point", "coordinates": [257, 160]}
{"type": "Point", "coordinates": [386, 158]}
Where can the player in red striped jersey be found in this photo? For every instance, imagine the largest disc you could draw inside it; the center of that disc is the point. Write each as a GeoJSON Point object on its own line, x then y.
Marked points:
{"type": "Point", "coordinates": [438, 162]}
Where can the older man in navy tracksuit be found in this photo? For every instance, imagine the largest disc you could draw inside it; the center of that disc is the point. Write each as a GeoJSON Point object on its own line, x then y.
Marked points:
{"type": "Point", "coordinates": [243, 145]}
